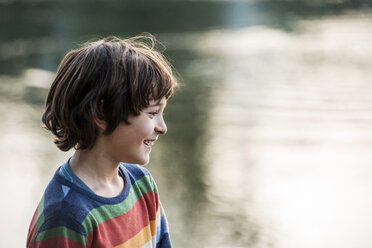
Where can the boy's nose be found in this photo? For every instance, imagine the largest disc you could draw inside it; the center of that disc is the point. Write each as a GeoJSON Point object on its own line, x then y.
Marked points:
{"type": "Point", "coordinates": [161, 127]}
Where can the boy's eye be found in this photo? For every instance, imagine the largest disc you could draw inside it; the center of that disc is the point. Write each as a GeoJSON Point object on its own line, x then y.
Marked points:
{"type": "Point", "coordinates": [153, 113]}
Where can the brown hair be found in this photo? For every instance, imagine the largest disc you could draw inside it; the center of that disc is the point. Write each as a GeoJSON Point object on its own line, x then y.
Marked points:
{"type": "Point", "coordinates": [109, 79]}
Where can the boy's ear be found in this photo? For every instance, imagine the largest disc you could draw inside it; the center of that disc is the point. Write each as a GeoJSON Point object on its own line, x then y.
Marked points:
{"type": "Point", "coordinates": [99, 119]}
{"type": "Point", "coordinates": [101, 124]}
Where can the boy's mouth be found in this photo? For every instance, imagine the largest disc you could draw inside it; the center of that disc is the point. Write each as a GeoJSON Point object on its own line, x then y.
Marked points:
{"type": "Point", "coordinates": [149, 143]}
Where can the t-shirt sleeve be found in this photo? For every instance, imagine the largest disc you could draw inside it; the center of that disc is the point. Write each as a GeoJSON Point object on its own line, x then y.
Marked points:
{"type": "Point", "coordinates": [162, 228]}
{"type": "Point", "coordinates": [163, 239]}
{"type": "Point", "coordinates": [56, 233]}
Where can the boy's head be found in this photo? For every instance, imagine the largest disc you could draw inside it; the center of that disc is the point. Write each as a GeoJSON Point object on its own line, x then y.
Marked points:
{"type": "Point", "coordinates": [109, 80]}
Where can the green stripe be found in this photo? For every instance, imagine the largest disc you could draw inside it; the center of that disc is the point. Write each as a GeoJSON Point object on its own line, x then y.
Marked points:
{"type": "Point", "coordinates": [106, 212]}
{"type": "Point", "coordinates": [61, 231]}
{"type": "Point", "coordinates": [40, 214]}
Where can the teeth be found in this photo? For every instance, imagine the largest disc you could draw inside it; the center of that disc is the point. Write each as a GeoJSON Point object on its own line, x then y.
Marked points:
{"type": "Point", "coordinates": [149, 143]}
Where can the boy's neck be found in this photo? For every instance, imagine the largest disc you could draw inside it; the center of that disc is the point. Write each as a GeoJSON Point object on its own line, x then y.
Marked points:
{"type": "Point", "coordinates": [98, 172]}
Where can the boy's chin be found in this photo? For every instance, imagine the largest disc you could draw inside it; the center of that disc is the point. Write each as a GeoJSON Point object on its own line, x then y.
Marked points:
{"type": "Point", "coordinates": [143, 161]}
{"type": "Point", "coordinates": [137, 160]}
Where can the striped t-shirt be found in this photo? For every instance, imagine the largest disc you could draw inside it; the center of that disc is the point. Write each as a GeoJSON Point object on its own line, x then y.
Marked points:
{"type": "Point", "coordinates": [71, 216]}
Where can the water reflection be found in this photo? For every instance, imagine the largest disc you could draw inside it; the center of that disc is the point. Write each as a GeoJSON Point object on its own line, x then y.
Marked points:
{"type": "Point", "coordinates": [290, 133]}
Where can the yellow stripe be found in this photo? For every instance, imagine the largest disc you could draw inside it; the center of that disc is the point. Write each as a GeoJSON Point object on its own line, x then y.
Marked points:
{"type": "Point", "coordinates": [158, 212]}
{"type": "Point", "coordinates": [141, 238]}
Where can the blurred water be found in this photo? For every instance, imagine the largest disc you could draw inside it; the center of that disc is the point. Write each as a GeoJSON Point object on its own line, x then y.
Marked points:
{"type": "Point", "coordinates": [269, 138]}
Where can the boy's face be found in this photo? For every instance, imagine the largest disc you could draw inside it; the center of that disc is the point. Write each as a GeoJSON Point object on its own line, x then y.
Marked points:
{"type": "Point", "coordinates": [132, 143]}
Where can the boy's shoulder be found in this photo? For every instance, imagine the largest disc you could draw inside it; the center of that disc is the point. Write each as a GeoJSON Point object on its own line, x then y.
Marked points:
{"type": "Point", "coordinates": [61, 207]}
{"type": "Point", "coordinates": [62, 198]}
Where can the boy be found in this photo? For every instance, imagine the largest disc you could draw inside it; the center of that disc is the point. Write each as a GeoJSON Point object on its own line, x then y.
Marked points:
{"type": "Point", "coordinates": [107, 103]}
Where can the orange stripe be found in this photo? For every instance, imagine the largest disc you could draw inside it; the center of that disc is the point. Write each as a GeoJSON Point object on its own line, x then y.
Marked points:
{"type": "Point", "coordinates": [141, 238]}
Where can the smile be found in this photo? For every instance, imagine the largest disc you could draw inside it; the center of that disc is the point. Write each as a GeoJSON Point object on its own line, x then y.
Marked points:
{"type": "Point", "coordinates": [149, 143]}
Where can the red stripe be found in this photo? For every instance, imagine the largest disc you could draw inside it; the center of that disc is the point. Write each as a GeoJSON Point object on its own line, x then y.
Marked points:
{"type": "Point", "coordinates": [117, 230]}
{"type": "Point", "coordinates": [32, 229]}
{"type": "Point", "coordinates": [59, 242]}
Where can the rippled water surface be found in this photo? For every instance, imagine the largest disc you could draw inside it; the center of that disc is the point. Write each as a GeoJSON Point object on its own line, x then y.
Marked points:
{"type": "Point", "coordinates": [269, 138]}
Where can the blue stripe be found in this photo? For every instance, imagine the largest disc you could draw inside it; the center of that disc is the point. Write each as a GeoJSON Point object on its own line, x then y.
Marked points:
{"type": "Point", "coordinates": [162, 229]}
